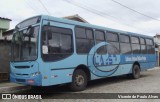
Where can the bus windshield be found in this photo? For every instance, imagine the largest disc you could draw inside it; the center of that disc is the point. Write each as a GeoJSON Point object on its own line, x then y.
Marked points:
{"type": "Point", "coordinates": [24, 45]}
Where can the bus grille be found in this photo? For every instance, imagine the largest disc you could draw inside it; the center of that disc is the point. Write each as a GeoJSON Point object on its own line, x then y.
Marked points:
{"type": "Point", "coordinates": [22, 67]}
{"type": "Point", "coordinates": [22, 74]}
{"type": "Point", "coordinates": [20, 80]}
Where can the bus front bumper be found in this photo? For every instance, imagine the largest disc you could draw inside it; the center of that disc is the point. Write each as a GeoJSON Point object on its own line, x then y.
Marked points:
{"type": "Point", "coordinates": [30, 80]}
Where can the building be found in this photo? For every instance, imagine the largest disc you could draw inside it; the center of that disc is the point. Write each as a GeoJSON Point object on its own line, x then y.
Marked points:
{"type": "Point", "coordinates": [157, 47]}
{"type": "Point", "coordinates": [4, 50]}
{"type": "Point", "coordinates": [7, 35]}
{"type": "Point", "coordinates": [4, 25]}
{"type": "Point", "coordinates": [76, 17]}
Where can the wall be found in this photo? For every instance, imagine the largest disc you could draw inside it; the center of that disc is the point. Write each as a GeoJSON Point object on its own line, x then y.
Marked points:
{"type": "Point", "coordinates": [5, 50]}
{"type": "Point", "coordinates": [4, 24]}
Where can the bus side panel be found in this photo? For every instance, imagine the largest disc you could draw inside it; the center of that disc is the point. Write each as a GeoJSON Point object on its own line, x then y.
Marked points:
{"type": "Point", "coordinates": [61, 71]}
{"type": "Point", "coordinates": [123, 69]}
{"type": "Point", "coordinates": [61, 76]}
{"type": "Point", "coordinates": [146, 61]}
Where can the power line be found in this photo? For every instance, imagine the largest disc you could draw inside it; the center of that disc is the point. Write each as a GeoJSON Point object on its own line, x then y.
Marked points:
{"type": "Point", "coordinates": [107, 12]}
{"type": "Point", "coordinates": [90, 10]}
{"type": "Point", "coordinates": [135, 11]}
{"type": "Point", "coordinates": [30, 6]}
{"type": "Point", "coordinates": [100, 14]}
{"type": "Point", "coordinates": [44, 7]}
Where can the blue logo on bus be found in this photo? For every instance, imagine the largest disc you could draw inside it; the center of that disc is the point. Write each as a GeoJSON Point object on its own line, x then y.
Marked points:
{"type": "Point", "coordinates": [102, 60]}
{"type": "Point", "coordinates": [102, 65]}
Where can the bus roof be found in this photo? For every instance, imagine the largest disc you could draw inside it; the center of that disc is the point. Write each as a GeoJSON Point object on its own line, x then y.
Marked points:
{"type": "Point", "coordinates": [88, 25]}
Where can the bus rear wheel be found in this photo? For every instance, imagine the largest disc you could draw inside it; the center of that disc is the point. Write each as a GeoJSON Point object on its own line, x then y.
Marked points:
{"type": "Point", "coordinates": [135, 71]}
{"type": "Point", "coordinates": [79, 80]}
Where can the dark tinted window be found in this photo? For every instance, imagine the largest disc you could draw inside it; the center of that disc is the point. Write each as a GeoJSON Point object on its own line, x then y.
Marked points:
{"type": "Point", "coordinates": [84, 45]}
{"type": "Point", "coordinates": [102, 50]}
{"type": "Point", "coordinates": [89, 34]}
{"type": "Point", "coordinates": [111, 36]}
{"type": "Point", "coordinates": [99, 35]}
{"type": "Point", "coordinates": [112, 50]}
{"type": "Point", "coordinates": [66, 44]}
{"type": "Point", "coordinates": [54, 44]}
{"type": "Point", "coordinates": [135, 40]}
{"type": "Point", "coordinates": [149, 42]}
{"type": "Point", "coordinates": [125, 48]}
{"type": "Point", "coordinates": [124, 38]}
{"type": "Point", "coordinates": [86, 42]}
{"type": "Point", "coordinates": [150, 49]}
{"type": "Point", "coordinates": [136, 49]}
{"type": "Point", "coordinates": [143, 49]}
{"type": "Point", "coordinates": [115, 44]}
{"type": "Point", "coordinates": [59, 42]}
{"type": "Point", "coordinates": [142, 41]}
{"type": "Point", "coordinates": [80, 32]}
{"type": "Point", "coordinates": [57, 30]}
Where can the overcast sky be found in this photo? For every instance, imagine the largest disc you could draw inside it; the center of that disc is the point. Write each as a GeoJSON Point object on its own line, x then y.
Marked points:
{"type": "Point", "coordinates": [99, 12]}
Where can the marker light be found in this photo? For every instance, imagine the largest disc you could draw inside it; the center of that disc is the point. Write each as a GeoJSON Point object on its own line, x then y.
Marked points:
{"type": "Point", "coordinates": [31, 81]}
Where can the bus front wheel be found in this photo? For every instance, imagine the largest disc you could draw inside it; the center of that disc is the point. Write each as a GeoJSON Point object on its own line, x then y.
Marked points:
{"type": "Point", "coordinates": [79, 80]}
{"type": "Point", "coordinates": [135, 71]}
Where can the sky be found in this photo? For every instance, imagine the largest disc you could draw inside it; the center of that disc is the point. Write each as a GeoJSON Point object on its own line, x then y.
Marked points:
{"type": "Point", "coordinates": [106, 13]}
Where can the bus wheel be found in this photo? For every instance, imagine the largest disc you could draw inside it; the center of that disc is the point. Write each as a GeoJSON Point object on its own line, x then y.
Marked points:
{"type": "Point", "coordinates": [135, 72]}
{"type": "Point", "coordinates": [79, 80]}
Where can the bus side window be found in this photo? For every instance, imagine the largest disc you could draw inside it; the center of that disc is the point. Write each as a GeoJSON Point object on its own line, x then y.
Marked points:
{"type": "Point", "coordinates": [113, 39]}
{"type": "Point", "coordinates": [58, 42]}
{"type": "Point", "coordinates": [135, 45]}
{"type": "Point", "coordinates": [84, 40]}
{"type": "Point", "coordinates": [112, 49]}
{"type": "Point", "coordinates": [150, 46]}
{"type": "Point", "coordinates": [100, 36]}
{"type": "Point", "coordinates": [125, 44]}
{"type": "Point", "coordinates": [143, 46]}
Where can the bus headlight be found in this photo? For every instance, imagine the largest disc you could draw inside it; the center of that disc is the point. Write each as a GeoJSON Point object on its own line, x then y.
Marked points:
{"type": "Point", "coordinates": [35, 74]}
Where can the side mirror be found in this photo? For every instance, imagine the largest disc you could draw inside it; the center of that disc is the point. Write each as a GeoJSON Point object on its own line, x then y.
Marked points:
{"type": "Point", "coordinates": [45, 49]}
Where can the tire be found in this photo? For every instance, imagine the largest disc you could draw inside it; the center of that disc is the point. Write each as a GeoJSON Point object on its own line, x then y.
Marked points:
{"type": "Point", "coordinates": [135, 72]}
{"type": "Point", "coordinates": [79, 80]}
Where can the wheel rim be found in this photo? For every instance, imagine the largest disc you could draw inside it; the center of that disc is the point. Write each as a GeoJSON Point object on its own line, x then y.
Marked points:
{"type": "Point", "coordinates": [79, 80]}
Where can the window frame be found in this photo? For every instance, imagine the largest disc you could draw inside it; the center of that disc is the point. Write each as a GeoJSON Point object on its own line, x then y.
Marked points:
{"type": "Point", "coordinates": [150, 40]}
{"type": "Point", "coordinates": [125, 43]}
{"type": "Point", "coordinates": [151, 45]}
{"type": "Point", "coordinates": [141, 44]}
{"type": "Point", "coordinates": [42, 38]}
{"type": "Point", "coordinates": [86, 28]}
{"type": "Point", "coordinates": [114, 33]}
{"type": "Point", "coordinates": [124, 35]}
{"type": "Point", "coordinates": [103, 35]}
{"type": "Point", "coordinates": [144, 41]}
{"type": "Point", "coordinates": [134, 42]}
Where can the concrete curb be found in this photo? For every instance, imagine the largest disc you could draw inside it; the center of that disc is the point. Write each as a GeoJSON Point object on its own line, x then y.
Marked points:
{"type": "Point", "coordinates": [13, 88]}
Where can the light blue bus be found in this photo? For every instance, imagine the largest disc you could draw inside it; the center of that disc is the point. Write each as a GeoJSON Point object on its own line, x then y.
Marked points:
{"type": "Point", "coordinates": [51, 51]}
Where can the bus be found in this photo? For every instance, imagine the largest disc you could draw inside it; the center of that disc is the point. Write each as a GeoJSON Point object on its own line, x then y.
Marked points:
{"type": "Point", "coordinates": [48, 51]}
